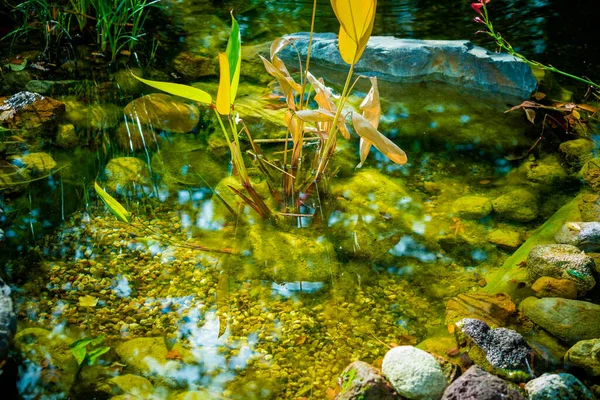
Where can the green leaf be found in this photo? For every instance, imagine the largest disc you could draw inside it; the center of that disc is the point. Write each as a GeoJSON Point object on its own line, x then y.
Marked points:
{"type": "Point", "coordinates": [80, 343]}
{"type": "Point", "coordinates": [18, 67]}
{"type": "Point", "coordinates": [97, 340]}
{"type": "Point", "coordinates": [94, 354]}
{"type": "Point", "coordinates": [79, 354]}
{"type": "Point", "coordinates": [113, 205]}
{"type": "Point", "coordinates": [234, 55]}
{"type": "Point", "coordinates": [177, 89]}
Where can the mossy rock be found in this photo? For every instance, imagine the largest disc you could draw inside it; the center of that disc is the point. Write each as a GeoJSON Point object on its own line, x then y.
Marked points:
{"type": "Point", "coordinates": [472, 207]}
{"type": "Point", "coordinates": [95, 116]}
{"type": "Point", "coordinates": [122, 172]}
{"type": "Point", "coordinates": [518, 205]}
{"type": "Point", "coordinates": [12, 178]}
{"type": "Point", "coordinates": [66, 136]}
{"type": "Point", "coordinates": [591, 173]}
{"type": "Point", "coordinates": [575, 153]}
{"type": "Point", "coordinates": [505, 238]}
{"type": "Point", "coordinates": [548, 173]}
{"type": "Point", "coordinates": [163, 112]}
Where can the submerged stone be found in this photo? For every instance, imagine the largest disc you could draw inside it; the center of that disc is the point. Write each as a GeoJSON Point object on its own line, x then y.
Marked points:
{"type": "Point", "coordinates": [589, 207]}
{"type": "Point", "coordinates": [472, 207]}
{"type": "Point", "coordinates": [121, 172]}
{"type": "Point", "coordinates": [585, 354]}
{"type": "Point", "coordinates": [194, 66]}
{"type": "Point", "coordinates": [553, 287]}
{"type": "Point", "coordinates": [519, 205]}
{"type": "Point", "coordinates": [557, 387]}
{"type": "Point", "coordinates": [561, 261]}
{"type": "Point", "coordinates": [494, 309]}
{"type": "Point", "coordinates": [36, 163]}
{"type": "Point", "coordinates": [414, 373]}
{"type": "Point", "coordinates": [505, 238]}
{"type": "Point", "coordinates": [94, 116]}
{"type": "Point", "coordinates": [133, 137]}
{"type": "Point", "coordinates": [66, 136]}
{"type": "Point", "coordinates": [400, 60]}
{"type": "Point", "coordinates": [478, 384]}
{"type": "Point", "coordinates": [591, 173]}
{"type": "Point", "coordinates": [575, 153]}
{"type": "Point", "coordinates": [569, 320]}
{"type": "Point", "coordinates": [12, 178]}
{"type": "Point", "coordinates": [163, 112]}
{"type": "Point", "coordinates": [361, 379]}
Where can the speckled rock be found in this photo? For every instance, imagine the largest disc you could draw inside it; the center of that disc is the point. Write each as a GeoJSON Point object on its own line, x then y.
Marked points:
{"type": "Point", "coordinates": [557, 387]}
{"type": "Point", "coordinates": [122, 171]}
{"type": "Point", "coordinates": [569, 320]}
{"type": "Point", "coordinates": [552, 287]}
{"type": "Point", "coordinates": [561, 261]}
{"type": "Point", "coordinates": [584, 235]}
{"type": "Point", "coordinates": [575, 153]}
{"type": "Point", "coordinates": [505, 238]}
{"type": "Point", "coordinates": [163, 112]}
{"type": "Point", "coordinates": [8, 319]}
{"type": "Point", "coordinates": [35, 115]}
{"type": "Point", "coordinates": [362, 379]}
{"type": "Point", "coordinates": [591, 173]}
{"type": "Point", "coordinates": [414, 373]}
{"type": "Point", "coordinates": [504, 348]}
{"type": "Point", "coordinates": [472, 207]}
{"type": "Point", "coordinates": [476, 384]}
{"type": "Point", "coordinates": [519, 205]}
{"type": "Point", "coordinates": [585, 354]}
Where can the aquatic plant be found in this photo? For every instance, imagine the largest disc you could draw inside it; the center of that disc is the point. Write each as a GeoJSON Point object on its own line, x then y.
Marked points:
{"type": "Point", "coordinates": [483, 18]}
{"type": "Point", "coordinates": [298, 179]}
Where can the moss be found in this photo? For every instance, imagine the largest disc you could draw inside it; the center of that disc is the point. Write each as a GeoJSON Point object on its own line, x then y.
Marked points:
{"type": "Point", "coordinates": [518, 205]}
{"type": "Point", "coordinates": [472, 207]}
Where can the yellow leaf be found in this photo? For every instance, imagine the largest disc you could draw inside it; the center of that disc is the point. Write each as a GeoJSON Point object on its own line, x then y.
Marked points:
{"type": "Point", "coordinates": [88, 301]}
{"type": "Point", "coordinates": [366, 131]}
{"type": "Point", "coordinates": [576, 114]}
{"type": "Point", "coordinates": [356, 18]}
{"type": "Point", "coordinates": [180, 90]}
{"type": "Point", "coordinates": [113, 205]}
{"type": "Point", "coordinates": [365, 147]}
{"type": "Point", "coordinates": [371, 105]}
{"type": "Point", "coordinates": [224, 92]}
{"type": "Point", "coordinates": [319, 115]}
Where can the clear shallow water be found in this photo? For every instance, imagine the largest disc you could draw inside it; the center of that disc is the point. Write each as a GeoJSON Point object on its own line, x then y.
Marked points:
{"type": "Point", "coordinates": [283, 314]}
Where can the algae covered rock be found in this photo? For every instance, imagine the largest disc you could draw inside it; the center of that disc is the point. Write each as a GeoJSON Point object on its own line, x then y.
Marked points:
{"type": "Point", "coordinates": [361, 379]}
{"type": "Point", "coordinates": [589, 207]}
{"type": "Point", "coordinates": [585, 354]}
{"type": "Point", "coordinates": [478, 384]}
{"type": "Point", "coordinates": [414, 373]}
{"type": "Point", "coordinates": [548, 173]}
{"type": "Point", "coordinates": [561, 261]}
{"type": "Point", "coordinates": [575, 153]}
{"type": "Point", "coordinates": [193, 66]}
{"type": "Point", "coordinates": [472, 207]}
{"type": "Point", "coordinates": [66, 136]}
{"type": "Point", "coordinates": [93, 116]}
{"type": "Point", "coordinates": [505, 238]}
{"type": "Point", "coordinates": [42, 347]}
{"type": "Point", "coordinates": [37, 163]}
{"type": "Point", "coordinates": [557, 387]}
{"type": "Point", "coordinates": [591, 173]}
{"type": "Point", "coordinates": [12, 178]}
{"type": "Point", "coordinates": [123, 171]}
{"type": "Point", "coordinates": [133, 385]}
{"type": "Point", "coordinates": [148, 355]}
{"type": "Point", "coordinates": [584, 235]}
{"type": "Point", "coordinates": [569, 320]}
{"type": "Point", "coordinates": [163, 112]}
{"type": "Point", "coordinates": [133, 137]}
{"type": "Point", "coordinates": [552, 287]}
{"type": "Point", "coordinates": [519, 205]}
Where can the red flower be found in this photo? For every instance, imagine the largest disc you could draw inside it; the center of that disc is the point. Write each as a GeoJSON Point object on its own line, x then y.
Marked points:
{"type": "Point", "coordinates": [477, 6]}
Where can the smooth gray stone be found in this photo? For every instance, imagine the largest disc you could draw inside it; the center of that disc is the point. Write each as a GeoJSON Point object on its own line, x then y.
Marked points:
{"type": "Point", "coordinates": [457, 62]}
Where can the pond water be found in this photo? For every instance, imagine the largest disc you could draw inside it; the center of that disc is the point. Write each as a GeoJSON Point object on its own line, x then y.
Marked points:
{"type": "Point", "coordinates": [207, 301]}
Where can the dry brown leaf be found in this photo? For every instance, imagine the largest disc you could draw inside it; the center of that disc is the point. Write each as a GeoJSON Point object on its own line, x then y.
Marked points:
{"type": "Point", "coordinates": [330, 394]}
{"type": "Point", "coordinates": [287, 84]}
{"type": "Point", "coordinates": [319, 115]}
{"type": "Point", "coordinates": [365, 130]}
{"type": "Point", "coordinates": [278, 45]}
{"type": "Point", "coordinates": [371, 105]}
{"type": "Point", "coordinates": [301, 339]}
{"type": "Point", "coordinates": [539, 96]}
{"type": "Point", "coordinates": [451, 328]}
{"type": "Point", "coordinates": [173, 355]}
{"type": "Point", "coordinates": [530, 114]}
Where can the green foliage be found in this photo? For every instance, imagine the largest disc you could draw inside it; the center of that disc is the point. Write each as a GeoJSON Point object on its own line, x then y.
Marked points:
{"type": "Point", "coordinates": [113, 205]}
{"type": "Point", "coordinates": [87, 350]}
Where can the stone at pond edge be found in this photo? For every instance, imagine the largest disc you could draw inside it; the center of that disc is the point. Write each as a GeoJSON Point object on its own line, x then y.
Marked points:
{"type": "Point", "coordinates": [557, 387]}
{"type": "Point", "coordinates": [561, 261]}
{"type": "Point", "coordinates": [8, 319]}
{"type": "Point", "coordinates": [361, 379]}
{"type": "Point", "coordinates": [477, 384]}
{"type": "Point", "coordinates": [591, 173]}
{"type": "Point", "coordinates": [504, 348]}
{"type": "Point", "coordinates": [552, 287]}
{"type": "Point", "coordinates": [569, 320]}
{"type": "Point", "coordinates": [122, 171]}
{"type": "Point", "coordinates": [163, 112]}
{"type": "Point", "coordinates": [584, 235]}
{"type": "Point", "coordinates": [505, 238]}
{"type": "Point", "coordinates": [585, 354]}
{"type": "Point", "coordinates": [494, 309]}
{"type": "Point", "coordinates": [472, 207]}
{"type": "Point", "coordinates": [519, 205]}
{"type": "Point", "coordinates": [414, 373]}
{"type": "Point", "coordinates": [575, 153]}
{"type": "Point", "coordinates": [34, 115]}
{"type": "Point", "coordinates": [451, 61]}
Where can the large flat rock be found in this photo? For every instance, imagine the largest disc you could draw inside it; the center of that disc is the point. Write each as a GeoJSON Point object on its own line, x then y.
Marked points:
{"type": "Point", "coordinates": [457, 62]}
